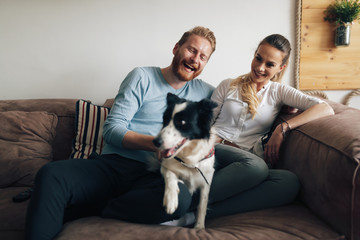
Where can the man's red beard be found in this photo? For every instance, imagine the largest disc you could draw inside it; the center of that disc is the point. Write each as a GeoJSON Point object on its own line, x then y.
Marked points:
{"type": "Point", "coordinates": [183, 76]}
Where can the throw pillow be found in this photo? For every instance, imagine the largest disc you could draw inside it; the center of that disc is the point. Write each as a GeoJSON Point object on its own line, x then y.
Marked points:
{"type": "Point", "coordinates": [89, 121]}
{"type": "Point", "coordinates": [25, 145]}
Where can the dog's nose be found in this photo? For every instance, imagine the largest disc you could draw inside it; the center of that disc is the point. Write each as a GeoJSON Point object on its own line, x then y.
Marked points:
{"type": "Point", "coordinates": [157, 142]}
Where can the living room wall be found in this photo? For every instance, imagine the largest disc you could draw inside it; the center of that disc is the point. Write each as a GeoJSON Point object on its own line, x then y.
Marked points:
{"type": "Point", "coordinates": [85, 48]}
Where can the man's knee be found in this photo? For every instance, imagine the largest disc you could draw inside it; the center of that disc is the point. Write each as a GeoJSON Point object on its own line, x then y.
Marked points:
{"type": "Point", "coordinates": [50, 176]}
{"type": "Point", "coordinates": [46, 172]}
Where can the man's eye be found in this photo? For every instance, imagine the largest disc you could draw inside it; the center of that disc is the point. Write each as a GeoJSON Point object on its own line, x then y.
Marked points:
{"type": "Point", "coordinates": [203, 58]}
{"type": "Point", "coordinates": [192, 50]}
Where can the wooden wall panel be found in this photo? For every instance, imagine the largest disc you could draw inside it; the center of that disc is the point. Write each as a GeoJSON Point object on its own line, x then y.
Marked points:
{"type": "Point", "coordinates": [322, 65]}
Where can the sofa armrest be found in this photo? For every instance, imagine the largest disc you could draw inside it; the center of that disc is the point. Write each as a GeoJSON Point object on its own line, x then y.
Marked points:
{"type": "Point", "coordinates": [325, 155]}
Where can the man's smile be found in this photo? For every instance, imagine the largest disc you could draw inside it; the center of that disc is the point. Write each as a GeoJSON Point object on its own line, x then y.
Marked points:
{"type": "Point", "coordinates": [189, 67]}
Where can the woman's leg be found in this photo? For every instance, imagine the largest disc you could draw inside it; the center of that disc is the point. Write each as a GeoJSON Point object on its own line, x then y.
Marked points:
{"type": "Point", "coordinates": [236, 170]}
{"type": "Point", "coordinates": [281, 187]}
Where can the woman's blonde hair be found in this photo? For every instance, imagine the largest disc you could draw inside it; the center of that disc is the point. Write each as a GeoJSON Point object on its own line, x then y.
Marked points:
{"type": "Point", "coordinates": [244, 83]}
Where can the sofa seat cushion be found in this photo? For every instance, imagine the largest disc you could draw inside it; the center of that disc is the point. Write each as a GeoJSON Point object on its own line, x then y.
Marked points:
{"type": "Point", "coordinates": [12, 215]}
{"type": "Point", "coordinates": [294, 221]}
{"type": "Point", "coordinates": [25, 145]}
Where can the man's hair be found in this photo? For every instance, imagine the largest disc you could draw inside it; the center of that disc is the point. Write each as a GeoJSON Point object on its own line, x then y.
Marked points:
{"type": "Point", "coordinates": [202, 32]}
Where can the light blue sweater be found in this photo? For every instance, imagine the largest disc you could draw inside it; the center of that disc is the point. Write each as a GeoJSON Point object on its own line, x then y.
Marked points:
{"type": "Point", "coordinates": [139, 107]}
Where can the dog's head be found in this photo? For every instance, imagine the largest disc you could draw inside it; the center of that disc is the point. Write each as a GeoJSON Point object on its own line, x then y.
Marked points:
{"type": "Point", "coordinates": [182, 121]}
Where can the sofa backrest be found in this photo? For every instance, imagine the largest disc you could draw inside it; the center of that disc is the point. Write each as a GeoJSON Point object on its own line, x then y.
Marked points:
{"type": "Point", "coordinates": [65, 111]}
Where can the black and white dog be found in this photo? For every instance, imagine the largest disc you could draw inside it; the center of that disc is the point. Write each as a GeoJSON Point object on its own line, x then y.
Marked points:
{"type": "Point", "coordinates": [186, 142]}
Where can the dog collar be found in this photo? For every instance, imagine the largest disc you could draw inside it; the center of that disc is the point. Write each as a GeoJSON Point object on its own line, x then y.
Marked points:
{"type": "Point", "coordinates": [209, 155]}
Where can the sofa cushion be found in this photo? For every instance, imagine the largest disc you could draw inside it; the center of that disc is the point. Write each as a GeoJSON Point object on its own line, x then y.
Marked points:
{"type": "Point", "coordinates": [290, 222]}
{"type": "Point", "coordinates": [89, 121]}
{"type": "Point", "coordinates": [65, 112]}
{"type": "Point", "coordinates": [25, 145]}
{"type": "Point", "coordinates": [12, 217]}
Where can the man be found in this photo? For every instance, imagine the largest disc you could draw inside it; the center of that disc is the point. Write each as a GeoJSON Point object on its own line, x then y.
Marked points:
{"type": "Point", "coordinates": [117, 184]}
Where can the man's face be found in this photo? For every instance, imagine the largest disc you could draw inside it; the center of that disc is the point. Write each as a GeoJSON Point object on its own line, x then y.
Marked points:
{"type": "Point", "coordinates": [190, 58]}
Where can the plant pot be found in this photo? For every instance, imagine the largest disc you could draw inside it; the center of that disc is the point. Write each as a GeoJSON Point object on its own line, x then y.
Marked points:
{"type": "Point", "coordinates": [342, 35]}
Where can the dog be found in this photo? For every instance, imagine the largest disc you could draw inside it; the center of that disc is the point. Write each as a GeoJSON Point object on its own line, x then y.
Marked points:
{"type": "Point", "coordinates": [186, 143]}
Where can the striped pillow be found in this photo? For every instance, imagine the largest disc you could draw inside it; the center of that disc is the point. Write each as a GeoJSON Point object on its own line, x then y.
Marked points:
{"type": "Point", "coordinates": [89, 121]}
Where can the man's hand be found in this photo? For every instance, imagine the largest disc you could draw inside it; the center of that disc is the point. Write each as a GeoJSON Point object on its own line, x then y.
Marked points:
{"type": "Point", "coordinates": [138, 141]}
{"type": "Point", "coordinates": [158, 155]}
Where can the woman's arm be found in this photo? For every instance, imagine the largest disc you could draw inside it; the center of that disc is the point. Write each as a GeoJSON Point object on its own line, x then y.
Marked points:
{"type": "Point", "coordinates": [315, 112]}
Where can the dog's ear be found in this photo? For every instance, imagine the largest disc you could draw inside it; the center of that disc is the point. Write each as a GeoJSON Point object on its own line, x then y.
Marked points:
{"type": "Point", "coordinates": [206, 107]}
{"type": "Point", "coordinates": [208, 104]}
{"type": "Point", "coordinates": [171, 99]}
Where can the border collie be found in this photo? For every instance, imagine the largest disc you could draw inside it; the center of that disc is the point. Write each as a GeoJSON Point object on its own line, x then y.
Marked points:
{"type": "Point", "coordinates": [186, 143]}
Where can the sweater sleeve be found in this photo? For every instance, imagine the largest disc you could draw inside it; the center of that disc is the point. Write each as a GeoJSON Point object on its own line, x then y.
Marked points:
{"type": "Point", "coordinates": [126, 104]}
{"type": "Point", "coordinates": [295, 98]}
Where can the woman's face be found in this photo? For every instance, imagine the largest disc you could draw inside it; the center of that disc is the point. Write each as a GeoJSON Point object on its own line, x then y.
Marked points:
{"type": "Point", "coordinates": [266, 63]}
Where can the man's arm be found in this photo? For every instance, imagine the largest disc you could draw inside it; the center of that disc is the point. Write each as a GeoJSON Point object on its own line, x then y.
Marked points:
{"type": "Point", "coordinates": [137, 141]}
{"type": "Point", "coordinates": [126, 104]}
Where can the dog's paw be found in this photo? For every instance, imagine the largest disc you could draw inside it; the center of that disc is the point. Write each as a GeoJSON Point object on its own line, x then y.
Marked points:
{"type": "Point", "coordinates": [199, 225]}
{"type": "Point", "coordinates": [171, 201]}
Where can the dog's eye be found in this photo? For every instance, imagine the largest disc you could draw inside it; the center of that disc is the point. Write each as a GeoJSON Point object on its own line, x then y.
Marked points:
{"type": "Point", "coordinates": [180, 122]}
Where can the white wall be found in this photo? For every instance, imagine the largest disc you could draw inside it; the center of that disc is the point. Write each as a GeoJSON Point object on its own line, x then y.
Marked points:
{"type": "Point", "coordinates": [85, 48]}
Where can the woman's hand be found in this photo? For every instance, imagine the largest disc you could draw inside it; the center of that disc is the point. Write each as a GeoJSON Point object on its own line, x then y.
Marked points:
{"type": "Point", "coordinates": [272, 148]}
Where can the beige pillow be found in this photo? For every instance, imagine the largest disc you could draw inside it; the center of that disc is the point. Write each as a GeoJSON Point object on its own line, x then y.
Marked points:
{"type": "Point", "coordinates": [25, 145]}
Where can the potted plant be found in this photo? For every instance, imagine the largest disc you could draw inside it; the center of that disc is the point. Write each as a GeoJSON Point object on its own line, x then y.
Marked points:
{"type": "Point", "coordinates": [343, 13]}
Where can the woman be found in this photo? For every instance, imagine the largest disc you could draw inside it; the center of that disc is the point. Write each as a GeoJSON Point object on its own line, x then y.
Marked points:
{"type": "Point", "coordinates": [247, 108]}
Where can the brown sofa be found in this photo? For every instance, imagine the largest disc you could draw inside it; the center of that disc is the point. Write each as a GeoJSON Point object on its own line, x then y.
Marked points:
{"type": "Point", "coordinates": [324, 154]}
